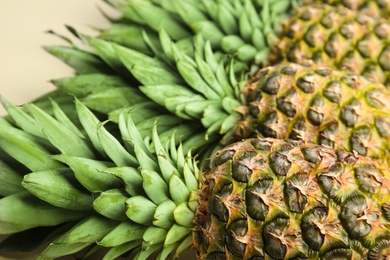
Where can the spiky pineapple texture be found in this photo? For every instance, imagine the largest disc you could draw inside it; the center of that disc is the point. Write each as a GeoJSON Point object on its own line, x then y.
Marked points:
{"type": "Point", "coordinates": [378, 8]}
{"type": "Point", "coordinates": [186, 79]}
{"type": "Point", "coordinates": [107, 81]}
{"type": "Point", "coordinates": [206, 94]}
{"type": "Point", "coordinates": [319, 105]}
{"type": "Point", "coordinates": [263, 197]}
{"type": "Point", "coordinates": [338, 37]}
{"type": "Point", "coordinates": [277, 199]}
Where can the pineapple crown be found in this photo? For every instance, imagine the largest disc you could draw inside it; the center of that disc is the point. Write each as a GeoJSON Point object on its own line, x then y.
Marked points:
{"type": "Point", "coordinates": [244, 28]}
{"type": "Point", "coordinates": [188, 62]}
{"type": "Point", "coordinates": [197, 93]}
{"type": "Point", "coordinates": [90, 184]}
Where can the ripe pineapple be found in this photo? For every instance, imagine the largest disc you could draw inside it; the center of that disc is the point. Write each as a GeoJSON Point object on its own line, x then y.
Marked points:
{"type": "Point", "coordinates": [185, 79]}
{"type": "Point", "coordinates": [319, 105]}
{"type": "Point", "coordinates": [263, 198]}
{"type": "Point", "coordinates": [197, 90]}
{"type": "Point", "coordinates": [338, 37]}
{"type": "Point", "coordinates": [276, 199]}
{"type": "Point", "coordinates": [247, 29]}
{"type": "Point", "coordinates": [312, 103]}
{"type": "Point", "coordinates": [379, 8]}
{"type": "Point", "coordinates": [208, 102]}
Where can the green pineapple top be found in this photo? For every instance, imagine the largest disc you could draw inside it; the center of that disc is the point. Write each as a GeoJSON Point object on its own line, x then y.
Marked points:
{"type": "Point", "coordinates": [94, 187]}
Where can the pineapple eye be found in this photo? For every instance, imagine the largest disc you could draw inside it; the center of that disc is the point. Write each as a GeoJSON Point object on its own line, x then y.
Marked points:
{"type": "Point", "coordinates": [272, 234]}
{"type": "Point", "coordinates": [386, 210]}
{"type": "Point", "coordinates": [333, 91]}
{"type": "Point", "coordinates": [324, 72]}
{"type": "Point", "coordinates": [286, 106]}
{"type": "Point", "coordinates": [311, 232]}
{"type": "Point", "coordinates": [383, 125]}
{"type": "Point", "coordinates": [311, 37]}
{"type": "Point", "coordinates": [289, 70]}
{"type": "Point", "coordinates": [311, 154]}
{"type": "Point", "coordinates": [272, 84]}
{"type": "Point", "coordinates": [351, 212]}
{"type": "Point", "coordinates": [296, 200]}
{"type": "Point", "coordinates": [327, 20]}
{"type": "Point", "coordinates": [265, 127]}
{"type": "Point", "coordinates": [306, 83]}
{"type": "Point", "coordinates": [381, 250]}
{"type": "Point", "coordinates": [351, 80]}
{"type": "Point", "coordinates": [223, 157]}
{"type": "Point", "coordinates": [280, 163]}
{"type": "Point", "coordinates": [242, 169]}
{"type": "Point", "coordinates": [337, 253]}
{"type": "Point", "coordinates": [216, 205]}
{"type": "Point", "coordinates": [313, 113]}
{"type": "Point", "coordinates": [256, 207]}
{"type": "Point", "coordinates": [349, 113]}
{"type": "Point", "coordinates": [261, 144]}
{"type": "Point", "coordinates": [367, 178]}
{"type": "Point", "coordinates": [331, 46]}
{"type": "Point", "coordinates": [384, 60]}
{"type": "Point", "coordinates": [235, 231]}
{"type": "Point", "coordinates": [381, 30]}
{"type": "Point", "coordinates": [358, 138]}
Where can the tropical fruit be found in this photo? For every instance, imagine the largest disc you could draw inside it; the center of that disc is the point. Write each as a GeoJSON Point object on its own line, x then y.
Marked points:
{"type": "Point", "coordinates": [263, 198]}
{"type": "Point", "coordinates": [339, 37]}
{"type": "Point", "coordinates": [207, 101]}
{"type": "Point", "coordinates": [277, 199]}
{"type": "Point", "coordinates": [319, 105]}
{"type": "Point", "coordinates": [379, 8]}
{"type": "Point", "coordinates": [72, 178]}
{"type": "Point", "coordinates": [312, 103]}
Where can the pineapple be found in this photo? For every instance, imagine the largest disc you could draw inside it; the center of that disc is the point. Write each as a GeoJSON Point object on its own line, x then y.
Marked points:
{"type": "Point", "coordinates": [338, 37]}
{"type": "Point", "coordinates": [277, 199]}
{"type": "Point", "coordinates": [72, 178]}
{"type": "Point", "coordinates": [319, 105]}
{"type": "Point", "coordinates": [205, 94]}
{"type": "Point", "coordinates": [210, 103]}
{"type": "Point", "coordinates": [89, 192]}
{"type": "Point", "coordinates": [379, 8]}
{"type": "Point", "coordinates": [246, 29]}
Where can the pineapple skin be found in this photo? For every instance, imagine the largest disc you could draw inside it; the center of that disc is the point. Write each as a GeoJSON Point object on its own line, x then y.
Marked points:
{"type": "Point", "coordinates": [380, 8]}
{"type": "Point", "coordinates": [339, 37]}
{"type": "Point", "coordinates": [319, 105]}
{"type": "Point", "coordinates": [276, 199]}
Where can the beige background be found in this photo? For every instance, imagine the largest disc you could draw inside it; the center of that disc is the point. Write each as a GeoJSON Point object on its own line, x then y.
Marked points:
{"type": "Point", "coordinates": [25, 68]}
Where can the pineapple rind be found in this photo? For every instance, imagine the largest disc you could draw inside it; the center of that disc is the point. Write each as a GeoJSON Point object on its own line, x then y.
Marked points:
{"type": "Point", "coordinates": [287, 209]}
{"type": "Point", "coordinates": [337, 37]}
{"type": "Point", "coordinates": [319, 105]}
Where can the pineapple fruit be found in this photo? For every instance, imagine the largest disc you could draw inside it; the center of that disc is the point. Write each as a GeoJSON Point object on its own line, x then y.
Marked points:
{"type": "Point", "coordinates": [338, 37]}
{"type": "Point", "coordinates": [319, 105]}
{"type": "Point", "coordinates": [189, 82]}
{"type": "Point", "coordinates": [262, 197]}
{"type": "Point", "coordinates": [277, 199]}
{"type": "Point", "coordinates": [200, 90]}
{"type": "Point", "coordinates": [93, 182]}
{"type": "Point", "coordinates": [379, 8]}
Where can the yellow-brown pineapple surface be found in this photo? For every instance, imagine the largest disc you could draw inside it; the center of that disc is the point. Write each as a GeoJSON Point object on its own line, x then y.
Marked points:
{"type": "Point", "coordinates": [276, 199]}
{"type": "Point", "coordinates": [339, 37]}
{"type": "Point", "coordinates": [319, 105]}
